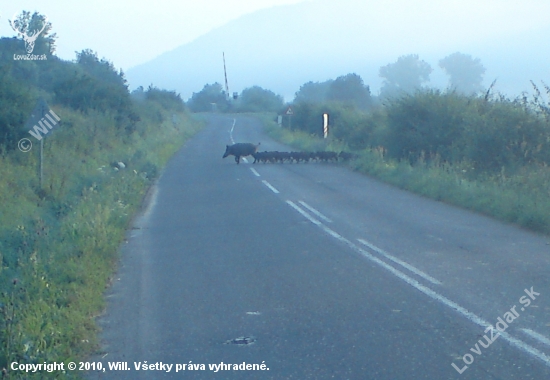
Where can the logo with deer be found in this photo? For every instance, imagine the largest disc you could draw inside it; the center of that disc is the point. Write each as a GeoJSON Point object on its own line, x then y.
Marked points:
{"type": "Point", "coordinates": [29, 36]}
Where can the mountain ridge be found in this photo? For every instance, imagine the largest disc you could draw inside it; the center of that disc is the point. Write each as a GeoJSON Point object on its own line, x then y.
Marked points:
{"type": "Point", "coordinates": [282, 47]}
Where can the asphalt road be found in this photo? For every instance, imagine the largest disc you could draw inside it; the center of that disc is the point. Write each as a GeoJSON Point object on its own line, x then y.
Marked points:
{"type": "Point", "coordinates": [318, 272]}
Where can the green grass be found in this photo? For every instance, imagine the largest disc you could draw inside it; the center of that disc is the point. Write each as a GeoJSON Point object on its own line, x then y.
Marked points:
{"type": "Point", "coordinates": [59, 243]}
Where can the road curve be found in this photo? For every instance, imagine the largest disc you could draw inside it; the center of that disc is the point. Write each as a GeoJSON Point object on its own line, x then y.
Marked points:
{"type": "Point", "coordinates": [317, 272]}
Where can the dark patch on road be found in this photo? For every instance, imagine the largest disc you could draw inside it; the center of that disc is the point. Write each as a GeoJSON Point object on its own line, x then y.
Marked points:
{"type": "Point", "coordinates": [241, 341]}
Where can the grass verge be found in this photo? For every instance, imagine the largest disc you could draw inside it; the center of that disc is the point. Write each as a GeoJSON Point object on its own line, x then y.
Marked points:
{"type": "Point", "coordinates": [59, 242]}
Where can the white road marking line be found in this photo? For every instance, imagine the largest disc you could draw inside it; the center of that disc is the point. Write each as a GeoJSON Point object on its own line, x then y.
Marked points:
{"type": "Point", "coordinates": [400, 262]}
{"type": "Point", "coordinates": [333, 233]}
{"type": "Point", "coordinates": [270, 187]}
{"type": "Point", "coordinates": [537, 336]}
{"type": "Point", "coordinates": [311, 219]}
{"type": "Point", "coordinates": [231, 131]}
{"type": "Point", "coordinates": [518, 343]}
{"type": "Point", "coordinates": [244, 159]}
{"type": "Point", "coordinates": [255, 172]}
{"type": "Point", "coordinates": [321, 216]}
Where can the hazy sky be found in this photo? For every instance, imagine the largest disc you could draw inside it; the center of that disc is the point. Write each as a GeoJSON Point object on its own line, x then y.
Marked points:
{"type": "Point", "coordinates": [129, 32]}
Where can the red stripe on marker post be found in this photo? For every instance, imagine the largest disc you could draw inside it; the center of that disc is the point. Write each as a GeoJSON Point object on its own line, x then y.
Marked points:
{"type": "Point", "coordinates": [325, 125]}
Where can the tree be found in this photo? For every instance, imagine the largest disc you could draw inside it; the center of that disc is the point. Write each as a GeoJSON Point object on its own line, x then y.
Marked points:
{"type": "Point", "coordinates": [211, 93]}
{"type": "Point", "coordinates": [313, 92]}
{"type": "Point", "coordinates": [169, 100]}
{"type": "Point", "coordinates": [30, 25]}
{"type": "Point", "coordinates": [404, 76]}
{"type": "Point", "coordinates": [257, 99]}
{"type": "Point", "coordinates": [465, 72]}
{"type": "Point", "coordinates": [349, 89]}
{"type": "Point", "coordinates": [93, 84]}
{"type": "Point", "coordinates": [100, 69]}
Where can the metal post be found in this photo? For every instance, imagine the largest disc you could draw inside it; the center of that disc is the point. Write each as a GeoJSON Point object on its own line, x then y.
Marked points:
{"type": "Point", "coordinates": [42, 114]}
{"type": "Point", "coordinates": [41, 162]}
{"type": "Point", "coordinates": [325, 125]}
{"type": "Point", "coordinates": [289, 113]}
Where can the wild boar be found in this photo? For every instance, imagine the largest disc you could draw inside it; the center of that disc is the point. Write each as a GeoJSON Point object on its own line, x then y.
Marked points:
{"type": "Point", "coordinates": [260, 157]}
{"type": "Point", "coordinates": [240, 150]}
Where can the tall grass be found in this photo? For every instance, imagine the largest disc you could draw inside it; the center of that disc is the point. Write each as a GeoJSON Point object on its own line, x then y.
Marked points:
{"type": "Point", "coordinates": [59, 242]}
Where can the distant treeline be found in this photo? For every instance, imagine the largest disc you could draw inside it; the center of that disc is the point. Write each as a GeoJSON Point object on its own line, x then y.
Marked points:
{"type": "Point", "coordinates": [212, 98]}
{"type": "Point", "coordinates": [347, 89]}
{"type": "Point", "coordinates": [407, 75]}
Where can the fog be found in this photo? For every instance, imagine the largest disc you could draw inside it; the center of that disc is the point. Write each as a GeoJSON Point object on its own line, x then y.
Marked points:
{"type": "Point", "coordinates": [283, 47]}
{"type": "Point", "coordinates": [179, 45]}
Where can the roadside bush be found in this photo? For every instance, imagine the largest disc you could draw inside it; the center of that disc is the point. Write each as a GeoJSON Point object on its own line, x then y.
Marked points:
{"type": "Point", "coordinates": [427, 123]}
{"type": "Point", "coordinates": [505, 134]}
{"type": "Point", "coordinates": [491, 134]}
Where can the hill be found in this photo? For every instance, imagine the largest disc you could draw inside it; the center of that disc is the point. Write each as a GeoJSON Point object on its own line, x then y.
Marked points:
{"type": "Point", "coordinates": [282, 47]}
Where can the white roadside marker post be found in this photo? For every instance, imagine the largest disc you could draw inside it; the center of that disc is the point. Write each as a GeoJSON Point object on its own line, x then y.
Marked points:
{"type": "Point", "coordinates": [325, 125]}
